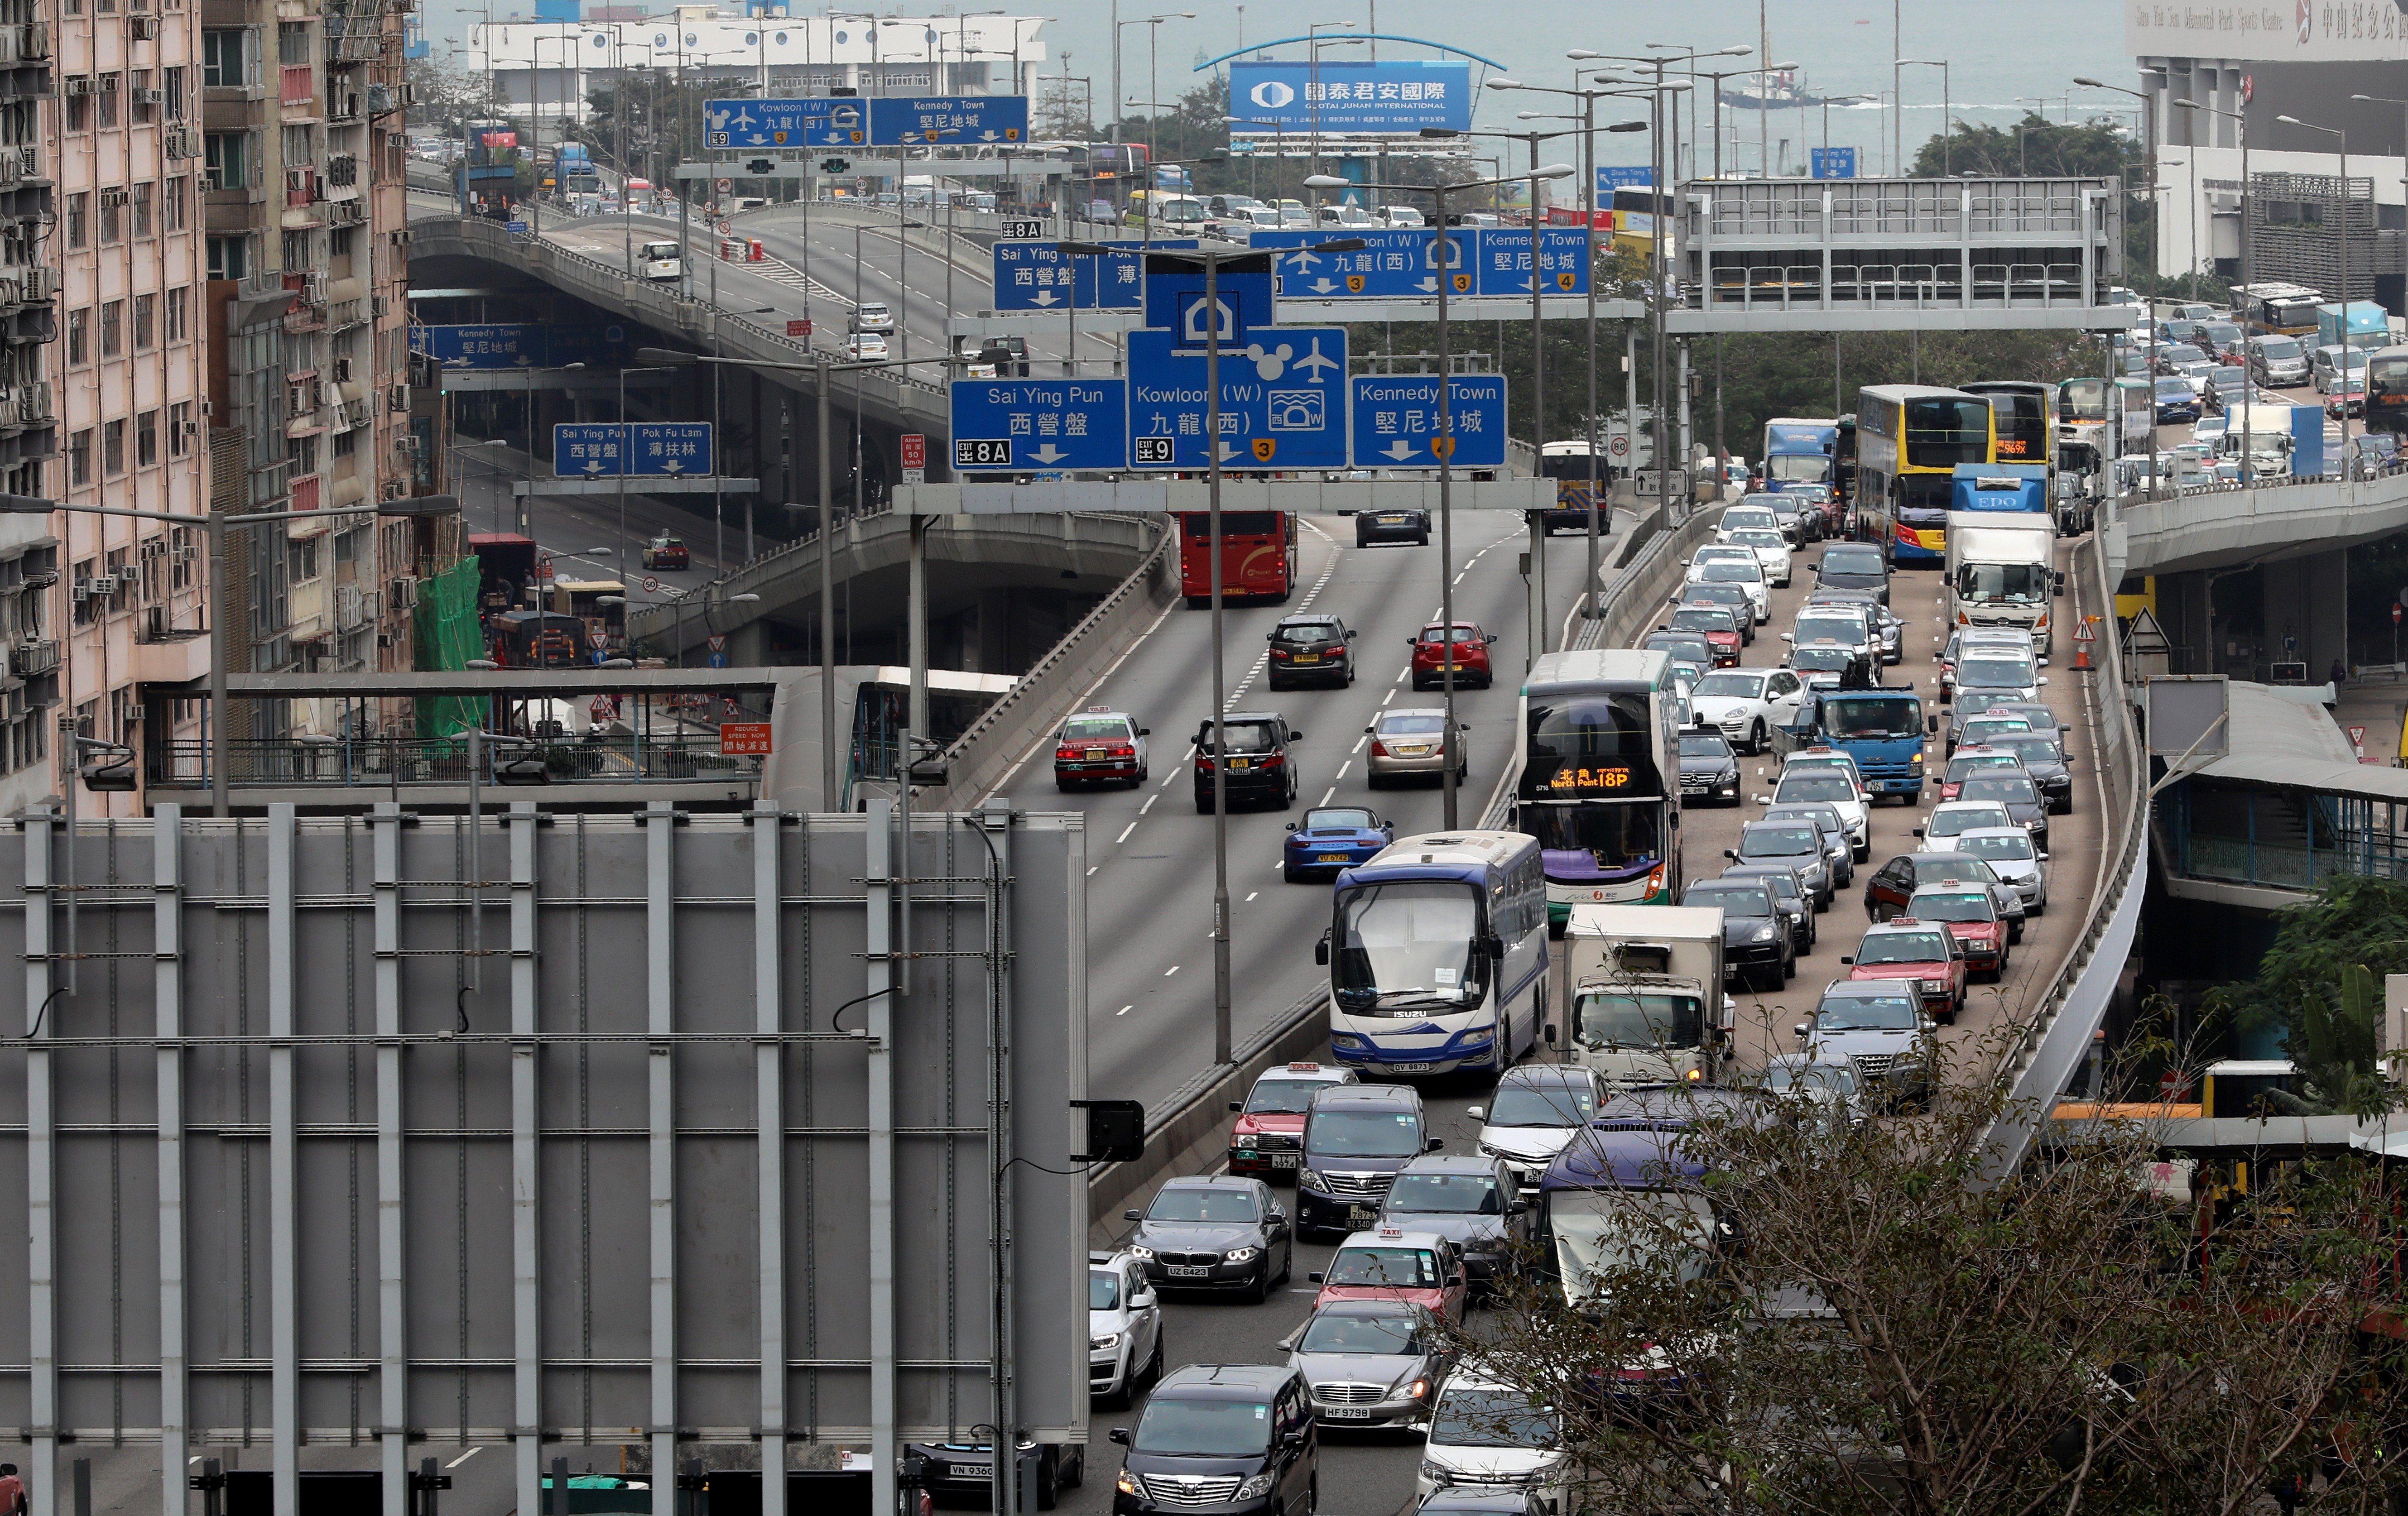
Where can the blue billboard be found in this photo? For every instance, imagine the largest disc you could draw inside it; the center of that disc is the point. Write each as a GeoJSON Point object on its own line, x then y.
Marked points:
{"type": "Point", "coordinates": [1505, 266]}
{"type": "Point", "coordinates": [1610, 177]}
{"type": "Point", "coordinates": [1283, 406]}
{"type": "Point", "coordinates": [1025, 424]}
{"type": "Point", "coordinates": [1393, 263]}
{"type": "Point", "coordinates": [1037, 275]}
{"type": "Point", "coordinates": [885, 121]}
{"type": "Point", "coordinates": [606, 449]}
{"type": "Point", "coordinates": [517, 344]}
{"type": "Point", "coordinates": [1396, 421]}
{"type": "Point", "coordinates": [1381, 99]}
{"type": "Point", "coordinates": [1833, 162]}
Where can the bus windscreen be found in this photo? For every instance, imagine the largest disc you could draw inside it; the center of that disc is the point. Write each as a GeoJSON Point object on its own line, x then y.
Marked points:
{"type": "Point", "coordinates": [1941, 433]}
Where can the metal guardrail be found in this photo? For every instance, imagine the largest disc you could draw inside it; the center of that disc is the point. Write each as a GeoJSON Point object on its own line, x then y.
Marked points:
{"type": "Point", "coordinates": [375, 763]}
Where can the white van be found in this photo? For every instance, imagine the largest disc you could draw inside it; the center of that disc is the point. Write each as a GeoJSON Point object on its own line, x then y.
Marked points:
{"type": "Point", "coordinates": [660, 262]}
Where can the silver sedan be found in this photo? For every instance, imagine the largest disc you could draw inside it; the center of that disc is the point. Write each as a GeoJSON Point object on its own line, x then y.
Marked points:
{"type": "Point", "coordinates": [1408, 741]}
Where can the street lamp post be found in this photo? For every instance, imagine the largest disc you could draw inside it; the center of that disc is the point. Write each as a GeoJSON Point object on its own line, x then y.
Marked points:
{"type": "Point", "coordinates": [1450, 739]}
{"type": "Point", "coordinates": [1837, 100]}
{"type": "Point", "coordinates": [2241, 122]}
{"type": "Point", "coordinates": [1153, 79]}
{"type": "Point", "coordinates": [2342, 138]}
{"type": "Point", "coordinates": [1941, 65]}
{"type": "Point", "coordinates": [217, 523]}
{"type": "Point", "coordinates": [2149, 142]}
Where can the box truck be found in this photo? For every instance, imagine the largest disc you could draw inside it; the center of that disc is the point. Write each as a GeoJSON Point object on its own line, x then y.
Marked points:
{"type": "Point", "coordinates": [1647, 1004]}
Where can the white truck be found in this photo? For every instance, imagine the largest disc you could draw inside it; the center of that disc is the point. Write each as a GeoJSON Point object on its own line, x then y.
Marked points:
{"type": "Point", "coordinates": [1647, 1005]}
{"type": "Point", "coordinates": [2002, 572]}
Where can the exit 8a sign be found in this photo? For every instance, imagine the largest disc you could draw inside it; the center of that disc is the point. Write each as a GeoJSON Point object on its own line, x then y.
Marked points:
{"type": "Point", "coordinates": [739, 740]}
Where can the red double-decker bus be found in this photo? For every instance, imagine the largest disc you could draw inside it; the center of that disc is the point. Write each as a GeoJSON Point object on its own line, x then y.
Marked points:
{"type": "Point", "coordinates": [1257, 555]}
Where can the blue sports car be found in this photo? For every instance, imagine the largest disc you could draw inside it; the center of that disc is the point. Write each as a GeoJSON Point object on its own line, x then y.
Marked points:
{"type": "Point", "coordinates": [1331, 837]}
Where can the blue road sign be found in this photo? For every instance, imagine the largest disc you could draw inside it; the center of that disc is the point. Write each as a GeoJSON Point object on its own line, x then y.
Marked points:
{"type": "Point", "coordinates": [948, 119]}
{"type": "Point", "coordinates": [1504, 264]}
{"type": "Point", "coordinates": [1396, 421]}
{"type": "Point", "coordinates": [1393, 264]}
{"type": "Point", "coordinates": [515, 228]}
{"type": "Point", "coordinates": [1610, 178]}
{"type": "Point", "coordinates": [1038, 275]}
{"type": "Point", "coordinates": [1833, 162]}
{"type": "Point", "coordinates": [1020, 425]}
{"type": "Point", "coordinates": [1174, 298]}
{"type": "Point", "coordinates": [885, 121]}
{"type": "Point", "coordinates": [785, 123]}
{"type": "Point", "coordinates": [606, 449]}
{"type": "Point", "coordinates": [517, 343]}
{"type": "Point", "coordinates": [1283, 401]}
{"type": "Point", "coordinates": [1327, 96]}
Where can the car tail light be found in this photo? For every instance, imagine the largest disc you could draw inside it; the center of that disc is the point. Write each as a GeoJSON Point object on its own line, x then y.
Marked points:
{"type": "Point", "coordinates": [1279, 652]}
{"type": "Point", "coordinates": [1204, 763]}
{"type": "Point", "coordinates": [1379, 749]}
{"type": "Point", "coordinates": [1274, 761]}
{"type": "Point", "coordinates": [1125, 750]}
{"type": "Point", "coordinates": [1066, 753]}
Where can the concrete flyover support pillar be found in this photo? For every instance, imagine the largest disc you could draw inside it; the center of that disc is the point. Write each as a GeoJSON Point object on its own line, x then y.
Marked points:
{"type": "Point", "coordinates": [2183, 612]}
{"type": "Point", "coordinates": [2307, 611]}
{"type": "Point", "coordinates": [991, 643]}
{"type": "Point", "coordinates": [748, 645]}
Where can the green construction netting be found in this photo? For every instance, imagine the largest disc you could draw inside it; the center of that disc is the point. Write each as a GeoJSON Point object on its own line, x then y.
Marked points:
{"type": "Point", "coordinates": [448, 635]}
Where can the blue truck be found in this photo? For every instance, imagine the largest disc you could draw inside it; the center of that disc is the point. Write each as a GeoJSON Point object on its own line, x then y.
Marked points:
{"type": "Point", "coordinates": [2000, 487]}
{"type": "Point", "coordinates": [1881, 727]}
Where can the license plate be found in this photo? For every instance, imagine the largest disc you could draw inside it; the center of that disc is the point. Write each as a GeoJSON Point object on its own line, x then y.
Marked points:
{"type": "Point", "coordinates": [1099, 752]}
{"type": "Point", "coordinates": [1347, 1414]}
{"type": "Point", "coordinates": [1410, 1068]}
{"type": "Point", "coordinates": [1330, 858]}
{"type": "Point", "coordinates": [971, 1471]}
{"type": "Point", "coordinates": [1307, 657]}
{"type": "Point", "coordinates": [1284, 1160]}
{"type": "Point", "coordinates": [1392, 520]}
{"type": "Point", "coordinates": [1241, 763]}
{"type": "Point", "coordinates": [1191, 1271]}
{"type": "Point", "coordinates": [1360, 1215]}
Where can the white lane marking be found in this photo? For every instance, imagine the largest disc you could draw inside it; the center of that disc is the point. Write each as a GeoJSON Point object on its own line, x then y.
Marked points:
{"type": "Point", "coordinates": [1152, 798]}
{"type": "Point", "coordinates": [1408, 673]}
{"type": "Point", "coordinates": [1333, 789]}
{"type": "Point", "coordinates": [1124, 1010]}
{"type": "Point", "coordinates": [1172, 969]}
{"type": "Point", "coordinates": [1366, 737]}
{"type": "Point", "coordinates": [1085, 696]}
{"type": "Point", "coordinates": [1091, 869]}
{"type": "Point", "coordinates": [463, 1457]}
{"type": "Point", "coordinates": [1392, 694]}
{"type": "Point", "coordinates": [1350, 763]}
{"type": "Point", "coordinates": [1250, 896]}
{"type": "Point", "coordinates": [1124, 832]}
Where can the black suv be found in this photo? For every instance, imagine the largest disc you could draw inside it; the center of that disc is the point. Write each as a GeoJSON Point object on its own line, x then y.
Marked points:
{"type": "Point", "coordinates": [1357, 1137]}
{"type": "Point", "coordinates": [1236, 1438]}
{"type": "Point", "coordinates": [1311, 649]}
{"type": "Point", "coordinates": [1257, 743]}
{"type": "Point", "coordinates": [1404, 524]}
{"type": "Point", "coordinates": [1227, 1234]}
{"type": "Point", "coordinates": [1855, 566]}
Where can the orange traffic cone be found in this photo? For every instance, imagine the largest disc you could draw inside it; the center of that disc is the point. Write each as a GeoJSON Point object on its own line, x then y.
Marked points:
{"type": "Point", "coordinates": [2081, 655]}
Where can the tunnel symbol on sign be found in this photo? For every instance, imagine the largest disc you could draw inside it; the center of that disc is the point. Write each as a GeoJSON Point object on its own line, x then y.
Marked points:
{"type": "Point", "coordinates": [1193, 327]}
{"type": "Point", "coordinates": [1297, 410]}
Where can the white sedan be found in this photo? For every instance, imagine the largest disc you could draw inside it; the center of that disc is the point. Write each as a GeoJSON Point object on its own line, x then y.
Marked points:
{"type": "Point", "coordinates": [1771, 551]}
{"type": "Point", "coordinates": [1743, 518]}
{"type": "Point", "coordinates": [1745, 703]}
{"type": "Point", "coordinates": [1747, 573]}
{"type": "Point", "coordinates": [1833, 787]}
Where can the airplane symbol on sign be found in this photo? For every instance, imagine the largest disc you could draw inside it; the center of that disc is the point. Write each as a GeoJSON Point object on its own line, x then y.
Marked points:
{"type": "Point", "coordinates": [1314, 360]}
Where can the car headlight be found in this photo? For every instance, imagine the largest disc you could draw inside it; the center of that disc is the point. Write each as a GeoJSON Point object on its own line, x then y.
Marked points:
{"type": "Point", "coordinates": [1127, 1484]}
{"type": "Point", "coordinates": [1240, 1255]}
{"type": "Point", "coordinates": [1763, 933]}
{"type": "Point", "coordinates": [1414, 1389]}
{"type": "Point", "coordinates": [1257, 1487]}
{"type": "Point", "coordinates": [1477, 1036]}
{"type": "Point", "coordinates": [1437, 1474]}
{"type": "Point", "coordinates": [1137, 1251]}
{"type": "Point", "coordinates": [1935, 986]}
{"type": "Point", "coordinates": [1312, 1180]}
{"type": "Point", "coordinates": [1917, 759]}
{"type": "Point", "coordinates": [1098, 1344]}
{"type": "Point", "coordinates": [1345, 1039]}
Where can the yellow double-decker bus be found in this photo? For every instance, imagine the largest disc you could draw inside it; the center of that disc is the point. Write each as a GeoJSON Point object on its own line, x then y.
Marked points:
{"type": "Point", "coordinates": [1910, 439]}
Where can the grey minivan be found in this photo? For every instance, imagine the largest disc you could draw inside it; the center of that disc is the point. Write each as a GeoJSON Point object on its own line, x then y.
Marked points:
{"type": "Point", "coordinates": [2277, 360]}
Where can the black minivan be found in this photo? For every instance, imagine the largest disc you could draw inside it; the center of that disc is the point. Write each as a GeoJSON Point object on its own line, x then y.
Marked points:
{"type": "Point", "coordinates": [1236, 1438]}
{"type": "Point", "coordinates": [1355, 1138]}
{"type": "Point", "coordinates": [1257, 743]}
{"type": "Point", "coordinates": [1853, 566]}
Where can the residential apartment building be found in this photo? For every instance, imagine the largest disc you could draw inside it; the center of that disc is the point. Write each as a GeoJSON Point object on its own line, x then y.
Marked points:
{"type": "Point", "coordinates": [308, 263]}
{"type": "Point", "coordinates": [29, 433]}
{"type": "Point", "coordinates": [124, 368]}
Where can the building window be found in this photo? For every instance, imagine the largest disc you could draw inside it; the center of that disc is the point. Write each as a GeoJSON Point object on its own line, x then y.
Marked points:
{"type": "Point", "coordinates": [228, 156]}
{"type": "Point", "coordinates": [302, 454]}
{"type": "Point", "coordinates": [178, 299]}
{"type": "Point", "coordinates": [112, 328]}
{"type": "Point", "coordinates": [301, 560]}
{"type": "Point", "coordinates": [79, 103]}
{"type": "Point", "coordinates": [179, 422]}
{"type": "Point", "coordinates": [225, 54]}
{"type": "Point", "coordinates": [107, 95]}
{"type": "Point", "coordinates": [87, 611]}
{"type": "Point", "coordinates": [146, 320]}
{"type": "Point", "coordinates": [339, 242]}
{"type": "Point", "coordinates": [229, 257]}
{"type": "Point", "coordinates": [112, 448]}
{"type": "Point", "coordinates": [346, 443]}
{"type": "Point", "coordinates": [171, 202]}
{"type": "Point", "coordinates": [80, 218]}
{"type": "Point", "coordinates": [297, 150]}
{"type": "Point", "coordinates": [172, 82]}
{"type": "Point", "coordinates": [112, 217]}
{"type": "Point", "coordinates": [293, 43]}
{"type": "Point", "coordinates": [185, 549]}
{"type": "Point", "coordinates": [142, 209]}
{"type": "Point", "coordinates": [146, 440]}
{"type": "Point", "coordinates": [297, 251]}
{"type": "Point", "coordinates": [78, 337]}
{"type": "Point", "coordinates": [80, 457]}
{"type": "Point", "coordinates": [138, 81]}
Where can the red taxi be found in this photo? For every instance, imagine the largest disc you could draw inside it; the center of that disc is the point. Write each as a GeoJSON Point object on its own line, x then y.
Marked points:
{"type": "Point", "coordinates": [1471, 647]}
{"type": "Point", "coordinates": [1966, 760]}
{"type": "Point", "coordinates": [1716, 625]}
{"type": "Point", "coordinates": [1970, 913]}
{"type": "Point", "coordinates": [1926, 953]}
{"type": "Point", "coordinates": [1100, 746]}
{"type": "Point", "coordinates": [1389, 1263]}
{"type": "Point", "coordinates": [666, 551]}
{"type": "Point", "coordinates": [1268, 1137]}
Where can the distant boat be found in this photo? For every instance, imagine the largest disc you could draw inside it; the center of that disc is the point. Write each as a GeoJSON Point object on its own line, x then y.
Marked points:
{"type": "Point", "coordinates": [1769, 92]}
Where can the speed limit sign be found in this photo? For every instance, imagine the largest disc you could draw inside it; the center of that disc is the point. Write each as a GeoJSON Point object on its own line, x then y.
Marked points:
{"type": "Point", "coordinates": [724, 186]}
{"type": "Point", "coordinates": [1618, 445]}
{"type": "Point", "coordinates": [652, 585]}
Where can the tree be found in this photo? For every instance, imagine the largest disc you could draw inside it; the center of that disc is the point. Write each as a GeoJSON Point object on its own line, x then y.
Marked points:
{"type": "Point", "coordinates": [1779, 1312]}
{"type": "Point", "coordinates": [446, 97]}
{"type": "Point", "coordinates": [2317, 984]}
